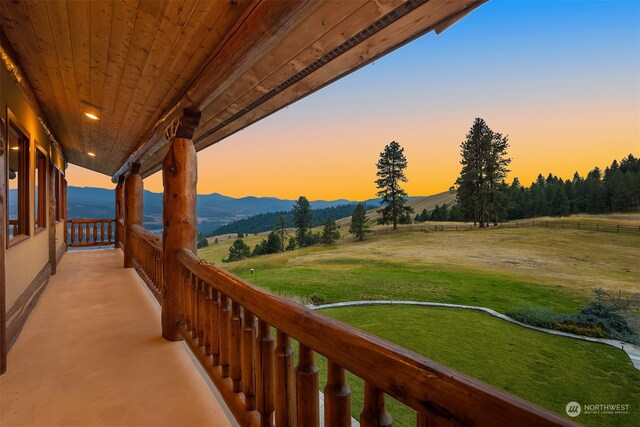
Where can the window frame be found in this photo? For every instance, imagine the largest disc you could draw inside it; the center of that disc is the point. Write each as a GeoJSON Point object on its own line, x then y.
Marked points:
{"type": "Point", "coordinates": [24, 184]}
{"type": "Point", "coordinates": [58, 193]}
{"type": "Point", "coordinates": [40, 165]}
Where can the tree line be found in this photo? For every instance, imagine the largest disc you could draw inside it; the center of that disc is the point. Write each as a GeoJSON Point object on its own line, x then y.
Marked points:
{"type": "Point", "coordinates": [265, 221]}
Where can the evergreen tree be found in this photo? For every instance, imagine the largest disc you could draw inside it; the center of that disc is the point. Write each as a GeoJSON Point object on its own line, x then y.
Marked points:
{"type": "Point", "coordinates": [481, 187]}
{"type": "Point", "coordinates": [291, 245]}
{"type": "Point", "coordinates": [302, 219]}
{"type": "Point", "coordinates": [559, 205]}
{"type": "Point", "coordinates": [238, 250]}
{"type": "Point", "coordinates": [359, 222]}
{"type": "Point", "coordinates": [281, 226]}
{"type": "Point", "coordinates": [330, 232]}
{"type": "Point", "coordinates": [391, 166]}
{"type": "Point", "coordinates": [271, 245]}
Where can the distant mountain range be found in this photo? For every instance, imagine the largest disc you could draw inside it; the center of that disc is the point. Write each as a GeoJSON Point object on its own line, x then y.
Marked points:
{"type": "Point", "coordinates": [213, 210]}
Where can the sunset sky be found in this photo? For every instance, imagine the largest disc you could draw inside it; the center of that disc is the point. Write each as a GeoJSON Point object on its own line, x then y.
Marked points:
{"type": "Point", "coordinates": [561, 78]}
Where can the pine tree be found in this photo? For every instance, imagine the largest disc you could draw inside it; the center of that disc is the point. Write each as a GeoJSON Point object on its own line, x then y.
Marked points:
{"type": "Point", "coordinates": [481, 188]}
{"type": "Point", "coordinates": [238, 250]}
{"type": "Point", "coordinates": [302, 219]}
{"type": "Point", "coordinates": [281, 226]}
{"type": "Point", "coordinates": [330, 232]}
{"type": "Point", "coordinates": [359, 222]}
{"type": "Point", "coordinates": [391, 166]}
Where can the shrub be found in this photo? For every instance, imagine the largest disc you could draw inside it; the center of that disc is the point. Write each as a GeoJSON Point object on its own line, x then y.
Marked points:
{"type": "Point", "coordinates": [604, 316]}
{"type": "Point", "coordinates": [586, 330]}
{"type": "Point", "coordinates": [317, 299]}
{"type": "Point", "coordinates": [543, 317]}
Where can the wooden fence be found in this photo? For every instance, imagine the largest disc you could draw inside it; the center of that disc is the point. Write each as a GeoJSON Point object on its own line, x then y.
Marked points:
{"type": "Point", "coordinates": [569, 225]}
{"type": "Point", "coordinates": [147, 258]}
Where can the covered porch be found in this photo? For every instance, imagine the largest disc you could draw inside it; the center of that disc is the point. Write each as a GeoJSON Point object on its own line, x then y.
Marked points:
{"type": "Point", "coordinates": [91, 353]}
{"type": "Point", "coordinates": [96, 349]}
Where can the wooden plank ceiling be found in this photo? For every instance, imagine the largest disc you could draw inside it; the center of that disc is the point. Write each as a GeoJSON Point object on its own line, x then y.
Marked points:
{"type": "Point", "coordinates": [136, 64]}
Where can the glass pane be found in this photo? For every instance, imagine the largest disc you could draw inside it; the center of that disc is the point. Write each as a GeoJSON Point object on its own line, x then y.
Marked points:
{"type": "Point", "coordinates": [14, 180]}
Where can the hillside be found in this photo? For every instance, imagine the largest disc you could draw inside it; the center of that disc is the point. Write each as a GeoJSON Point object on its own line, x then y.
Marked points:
{"type": "Point", "coordinates": [417, 203]}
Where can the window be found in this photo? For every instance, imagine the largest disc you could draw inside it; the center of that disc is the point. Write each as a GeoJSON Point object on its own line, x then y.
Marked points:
{"type": "Point", "coordinates": [40, 202]}
{"type": "Point", "coordinates": [58, 184]}
{"type": "Point", "coordinates": [18, 189]}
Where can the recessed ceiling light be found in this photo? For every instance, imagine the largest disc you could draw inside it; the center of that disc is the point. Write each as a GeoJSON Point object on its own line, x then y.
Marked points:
{"type": "Point", "coordinates": [91, 154]}
{"type": "Point", "coordinates": [15, 147]}
{"type": "Point", "coordinates": [92, 116]}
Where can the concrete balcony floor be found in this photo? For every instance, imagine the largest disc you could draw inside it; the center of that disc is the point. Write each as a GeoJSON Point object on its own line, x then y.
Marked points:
{"type": "Point", "coordinates": [92, 354]}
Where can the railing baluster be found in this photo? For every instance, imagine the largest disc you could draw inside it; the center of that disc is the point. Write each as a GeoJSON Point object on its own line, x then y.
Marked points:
{"type": "Point", "coordinates": [307, 388]}
{"type": "Point", "coordinates": [337, 397]}
{"type": "Point", "coordinates": [194, 306]}
{"type": "Point", "coordinates": [235, 339]}
{"type": "Point", "coordinates": [80, 233]}
{"type": "Point", "coordinates": [95, 231]}
{"type": "Point", "coordinates": [285, 382]}
{"type": "Point", "coordinates": [201, 313]}
{"type": "Point", "coordinates": [264, 374]}
{"type": "Point", "coordinates": [206, 289]}
{"type": "Point", "coordinates": [215, 326]}
{"type": "Point", "coordinates": [374, 413]}
{"type": "Point", "coordinates": [187, 302]}
{"type": "Point", "coordinates": [248, 372]}
{"type": "Point", "coordinates": [224, 335]}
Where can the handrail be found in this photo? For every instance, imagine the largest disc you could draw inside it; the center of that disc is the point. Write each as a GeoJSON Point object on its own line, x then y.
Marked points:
{"type": "Point", "coordinates": [84, 232]}
{"type": "Point", "coordinates": [216, 303]}
{"type": "Point", "coordinates": [147, 258]}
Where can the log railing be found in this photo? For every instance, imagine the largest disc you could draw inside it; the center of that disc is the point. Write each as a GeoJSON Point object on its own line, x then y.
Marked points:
{"type": "Point", "coordinates": [90, 232]}
{"type": "Point", "coordinates": [147, 258]}
{"type": "Point", "coordinates": [230, 326]}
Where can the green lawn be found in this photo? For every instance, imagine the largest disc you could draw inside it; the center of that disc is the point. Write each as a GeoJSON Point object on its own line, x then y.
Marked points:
{"type": "Point", "coordinates": [349, 279]}
{"type": "Point", "coordinates": [547, 370]}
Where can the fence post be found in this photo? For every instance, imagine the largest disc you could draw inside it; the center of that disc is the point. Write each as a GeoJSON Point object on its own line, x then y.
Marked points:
{"type": "Point", "coordinates": [618, 228]}
{"type": "Point", "coordinates": [578, 225]}
{"type": "Point", "coordinates": [597, 226]}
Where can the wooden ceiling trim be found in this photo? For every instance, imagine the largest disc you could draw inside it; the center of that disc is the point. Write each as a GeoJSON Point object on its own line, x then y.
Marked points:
{"type": "Point", "coordinates": [256, 32]}
{"type": "Point", "coordinates": [316, 67]}
{"type": "Point", "coordinates": [168, 33]}
{"type": "Point", "coordinates": [179, 33]}
{"type": "Point", "coordinates": [210, 33]}
{"type": "Point", "coordinates": [214, 35]}
{"type": "Point", "coordinates": [368, 51]}
{"type": "Point", "coordinates": [325, 20]}
{"type": "Point", "coordinates": [306, 49]}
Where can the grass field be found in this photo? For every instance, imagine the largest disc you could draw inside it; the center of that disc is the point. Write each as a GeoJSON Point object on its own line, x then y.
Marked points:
{"type": "Point", "coordinates": [547, 370]}
{"type": "Point", "coordinates": [500, 269]}
{"type": "Point", "coordinates": [497, 268]}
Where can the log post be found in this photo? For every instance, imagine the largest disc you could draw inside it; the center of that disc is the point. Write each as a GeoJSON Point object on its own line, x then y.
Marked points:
{"type": "Point", "coordinates": [3, 232]}
{"type": "Point", "coordinates": [179, 177]}
{"type": "Point", "coordinates": [119, 211]}
{"type": "Point", "coordinates": [51, 189]}
{"type": "Point", "coordinates": [133, 210]}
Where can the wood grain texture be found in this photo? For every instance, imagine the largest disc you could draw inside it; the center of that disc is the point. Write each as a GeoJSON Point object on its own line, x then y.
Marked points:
{"type": "Point", "coordinates": [179, 177]}
{"type": "Point", "coordinates": [133, 215]}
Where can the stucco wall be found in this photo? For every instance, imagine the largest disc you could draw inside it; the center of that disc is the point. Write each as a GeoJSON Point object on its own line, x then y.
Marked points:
{"type": "Point", "coordinates": [25, 259]}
